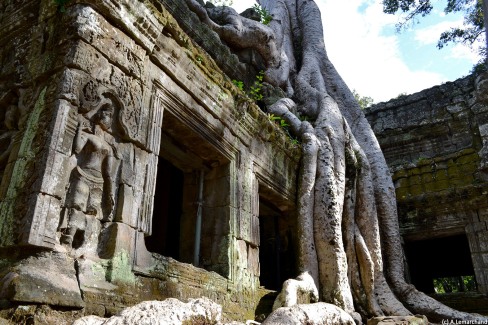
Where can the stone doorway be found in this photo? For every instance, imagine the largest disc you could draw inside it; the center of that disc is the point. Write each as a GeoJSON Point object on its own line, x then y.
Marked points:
{"type": "Point", "coordinates": [184, 155]}
{"type": "Point", "coordinates": [276, 251]}
{"type": "Point", "coordinates": [446, 257]}
{"type": "Point", "coordinates": [165, 238]}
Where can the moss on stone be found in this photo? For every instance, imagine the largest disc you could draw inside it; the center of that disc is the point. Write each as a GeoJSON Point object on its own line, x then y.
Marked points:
{"type": "Point", "coordinates": [120, 269]}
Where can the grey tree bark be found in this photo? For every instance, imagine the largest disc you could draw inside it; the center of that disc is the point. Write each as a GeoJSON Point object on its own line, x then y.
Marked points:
{"type": "Point", "coordinates": [347, 217]}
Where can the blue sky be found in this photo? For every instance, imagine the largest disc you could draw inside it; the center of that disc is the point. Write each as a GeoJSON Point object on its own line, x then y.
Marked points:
{"type": "Point", "coordinates": [375, 60]}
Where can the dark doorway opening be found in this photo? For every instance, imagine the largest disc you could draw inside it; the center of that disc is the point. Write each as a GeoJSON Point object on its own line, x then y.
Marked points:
{"type": "Point", "coordinates": [432, 259]}
{"type": "Point", "coordinates": [168, 199]}
{"type": "Point", "coordinates": [276, 254]}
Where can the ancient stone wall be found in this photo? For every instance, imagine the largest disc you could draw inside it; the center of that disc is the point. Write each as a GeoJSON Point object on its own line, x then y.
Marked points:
{"type": "Point", "coordinates": [96, 99]}
{"type": "Point", "coordinates": [435, 143]}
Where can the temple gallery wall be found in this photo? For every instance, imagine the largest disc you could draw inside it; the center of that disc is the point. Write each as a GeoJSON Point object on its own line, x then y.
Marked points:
{"type": "Point", "coordinates": [435, 143]}
{"type": "Point", "coordinates": [133, 169]}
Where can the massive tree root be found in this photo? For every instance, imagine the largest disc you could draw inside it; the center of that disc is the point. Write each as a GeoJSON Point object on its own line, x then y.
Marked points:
{"type": "Point", "coordinates": [348, 225]}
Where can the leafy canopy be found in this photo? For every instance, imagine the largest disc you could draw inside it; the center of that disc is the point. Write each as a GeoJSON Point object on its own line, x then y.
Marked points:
{"type": "Point", "coordinates": [363, 101]}
{"type": "Point", "coordinates": [472, 31]}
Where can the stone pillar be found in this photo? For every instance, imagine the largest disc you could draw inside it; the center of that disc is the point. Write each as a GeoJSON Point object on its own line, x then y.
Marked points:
{"type": "Point", "coordinates": [477, 233]}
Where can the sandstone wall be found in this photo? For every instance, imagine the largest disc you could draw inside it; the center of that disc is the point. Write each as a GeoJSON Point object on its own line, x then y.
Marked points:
{"type": "Point", "coordinates": [94, 95]}
{"type": "Point", "coordinates": [435, 144]}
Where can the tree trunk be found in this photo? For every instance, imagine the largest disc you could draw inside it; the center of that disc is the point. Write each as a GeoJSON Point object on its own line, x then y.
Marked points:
{"type": "Point", "coordinates": [347, 217]}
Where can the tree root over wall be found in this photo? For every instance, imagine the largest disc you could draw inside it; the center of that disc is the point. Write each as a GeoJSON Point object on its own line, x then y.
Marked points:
{"type": "Point", "coordinates": [348, 225]}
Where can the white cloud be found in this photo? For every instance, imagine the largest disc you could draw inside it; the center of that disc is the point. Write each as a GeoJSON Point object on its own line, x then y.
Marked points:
{"type": "Point", "coordinates": [430, 34]}
{"type": "Point", "coordinates": [369, 61]}
{"type": "Point", "coordinates": [461, 51]}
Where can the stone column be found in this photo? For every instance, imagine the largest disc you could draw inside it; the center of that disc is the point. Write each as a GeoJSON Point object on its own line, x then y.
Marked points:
{"type": "Point", "coordinates": [477, 233]}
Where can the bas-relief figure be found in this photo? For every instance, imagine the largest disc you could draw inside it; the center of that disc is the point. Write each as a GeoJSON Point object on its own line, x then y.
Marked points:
{"type": "Point", "coordinates": [91, 194]}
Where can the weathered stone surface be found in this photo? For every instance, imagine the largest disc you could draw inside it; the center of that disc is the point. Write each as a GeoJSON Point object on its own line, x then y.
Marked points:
{"type": "Point", "coordinates": [313, 314]}
{"type": "Point", "coordinates": [398, 320]}
{"type": "Point", "coordinates": [47, 278]}
{"type": "Point", "coordinates": [169, 311]}
{"type": "Point", "coordinates": [435, 143]}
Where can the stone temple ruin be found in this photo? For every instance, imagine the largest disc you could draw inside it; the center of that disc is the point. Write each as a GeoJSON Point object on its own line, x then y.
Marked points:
{"type": "Point", "coordinates": [133, 169]}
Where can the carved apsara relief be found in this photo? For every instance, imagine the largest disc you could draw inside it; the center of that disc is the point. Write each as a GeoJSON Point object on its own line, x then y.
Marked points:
{"type": "Point", "coordinates": [112, 171]}
{"type": "Point", "coordinates": [91, 193]}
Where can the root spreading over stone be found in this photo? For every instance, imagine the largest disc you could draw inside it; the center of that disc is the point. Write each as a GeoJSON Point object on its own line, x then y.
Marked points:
{"type": "Point", "coordinates": [347, 217]}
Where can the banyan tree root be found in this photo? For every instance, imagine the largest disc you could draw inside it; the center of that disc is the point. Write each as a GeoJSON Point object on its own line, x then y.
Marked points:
{"type": "Point", "coordinates": [297, 291]}
{"type": "Point", "coordinates": [346, 205]}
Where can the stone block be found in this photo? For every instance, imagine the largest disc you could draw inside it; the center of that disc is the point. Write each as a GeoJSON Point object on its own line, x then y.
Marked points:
{"type": "Point", "coordinates": [215, 221]}
{"type": "Point", "coordinates": [254, 231]}
{"type": "Point", "coordinates": [427, 178]}
{"type": "Point", "coordinates": [416, 190]}
{"type": "Point", "coordinates": [65, 123]}
{"type": "Point", "coordinates": [56, 174]}
{"type": "Point", "coordinates": [89, 60]}
{"type": "Point", "coordinates": [441, 184]}
{"type": "Point", "coordinates": [221, 196]}
{"type": "Point", "coordinates": [45, 211]}
{"type": "Point", "coordinates": [92, 275]}
{"type": "Point", "coordinates": [142, 257]}
{"type": "Point", "coordinates": [454, 109]}
{"type": "Point", "coordinates": [440, 174]}
{"type": "Point", "coordinates": [242, 258]}
{"type": "Point", "coordinates": [117, 238]}
{"type": "Point", "coordinates": [401, 193]}
{"type": "Point", "coordinates": [32, 280]}
{"type": "Point", "coordinates": [127, 157]}
{"type": "Point", "coordinates": [401, 182]}
{"type": "Point", "coordinates": [117, 46]}
{"type": "Point", "coordinates": [415, 178]}
{"type": "Point", "coordinates": [253, 260]}
{"type": "Point", "coordinates": [465, 180]}
{"type": "Point", "coordinates": [244, 225]}
{"type": "Point", "coordinates": [126, 211]}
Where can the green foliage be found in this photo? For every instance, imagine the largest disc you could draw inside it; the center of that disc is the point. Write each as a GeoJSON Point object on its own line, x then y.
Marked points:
{"type": "Point", "coordinates": [472, 31]}
{"type": "Point", "coordinates": [263, 13]}
{"type": "Point", "coordinates": [219, 3]}
{"type": "Point", "coordinates": [278, 120]}
{"type": "Point", "coordinates": [422, 161]}
{"type": "Point", "coordinates": [401, 95]}
{"type": "Point", "coordinates": [61, 4]}
{"type": "Point", "coordinates": [273, 118]}
{"type": "Point", "coordinates": [363, 101]}
{"type": "Point", "coordinates": [455, 284]}
{"type": "Point", "coordinates": [285, 126]}
{"type": "Point", "coordinates": [281, 122]}
{"type": "Point", "coordinates": [239, 84]}
{"type": "Point", "coordinates": [255, 90]}
{"type": "Point", "coordinates": [479, 68]}
{"type": "Point", "coordinates": [473, 20]}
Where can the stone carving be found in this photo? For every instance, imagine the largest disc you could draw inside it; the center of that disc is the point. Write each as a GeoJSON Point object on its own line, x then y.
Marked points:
{"type": "Point", "coordinates": [8, 128]}
{"type": "Point", "coordinates": [91, 191]}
